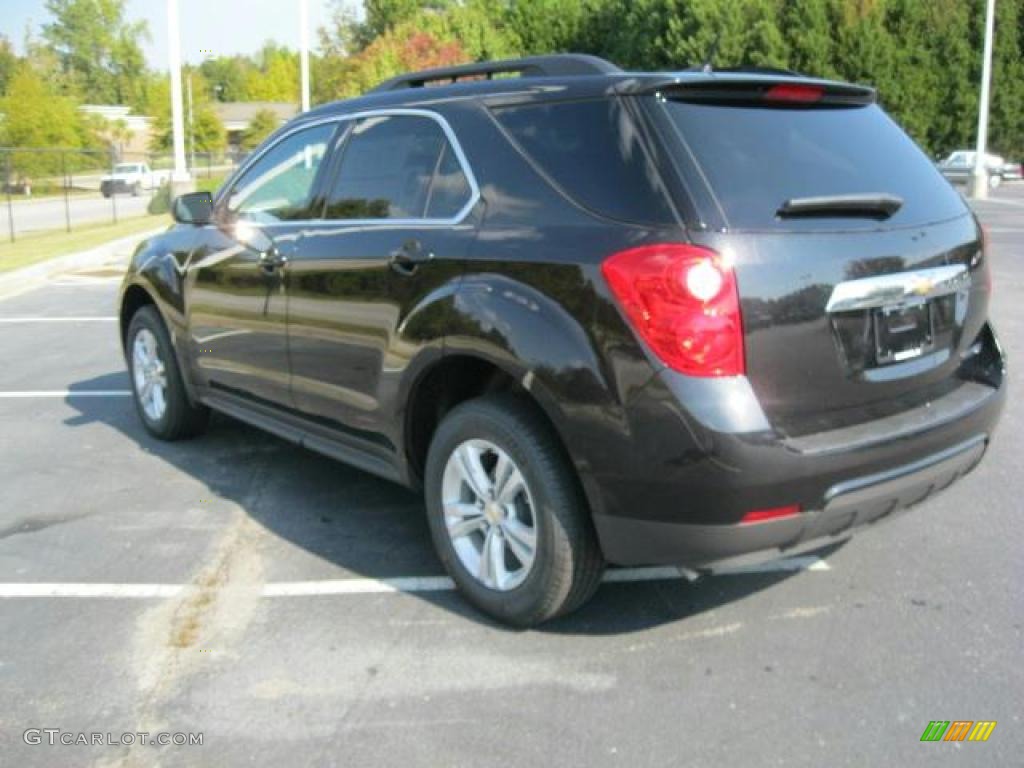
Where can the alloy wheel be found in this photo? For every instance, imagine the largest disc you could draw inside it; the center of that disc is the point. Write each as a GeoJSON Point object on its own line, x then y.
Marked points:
{"type": "Point", "coordinates": [489, 514]}
{"type": "Point", "coordinates": [149, 374]}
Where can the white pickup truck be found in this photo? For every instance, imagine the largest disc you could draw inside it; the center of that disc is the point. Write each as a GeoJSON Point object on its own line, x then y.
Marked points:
{"type": "Point", "coordinates": [132, 178]}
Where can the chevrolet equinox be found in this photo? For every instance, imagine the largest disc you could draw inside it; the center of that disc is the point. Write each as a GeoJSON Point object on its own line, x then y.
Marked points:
{"type": "Point", "coordinates": [596, 316]}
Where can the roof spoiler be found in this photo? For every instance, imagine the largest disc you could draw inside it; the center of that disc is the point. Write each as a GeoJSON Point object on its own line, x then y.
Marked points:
{"type": "Point", "coordinates": [754, 89]}
{"type": "Point", "coordinates": [561, 65]}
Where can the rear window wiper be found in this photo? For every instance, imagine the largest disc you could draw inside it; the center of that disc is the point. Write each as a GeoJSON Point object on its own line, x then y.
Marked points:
{"type": "Point", "coordinates": [879, 206]}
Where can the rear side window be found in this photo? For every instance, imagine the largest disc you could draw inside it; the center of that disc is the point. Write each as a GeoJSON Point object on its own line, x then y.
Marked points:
{"type": "Point", "coordinates": [397, 167]}
{"type": "Point", "coordinates": [756, 158]}
{"type": "Point", "coordinates": [591, 150]}
{"type": "Point", "coordinates": [450, 189]}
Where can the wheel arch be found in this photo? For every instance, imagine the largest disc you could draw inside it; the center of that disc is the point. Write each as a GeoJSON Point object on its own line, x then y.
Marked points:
{"type": "Point", "coordinates": [137, 294]}
{"type": "Point", "coordinates": [457, 377]}
{"type": "Point", "coordinates": [134, 298]}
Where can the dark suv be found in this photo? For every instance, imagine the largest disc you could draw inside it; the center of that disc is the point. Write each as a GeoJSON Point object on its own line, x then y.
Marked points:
{"type": "Point", "coordinates": [598, 316]}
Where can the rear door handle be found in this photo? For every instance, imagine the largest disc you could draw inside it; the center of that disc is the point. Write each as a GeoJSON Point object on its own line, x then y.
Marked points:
{"type": "Point", "coordinates": [409, 256]}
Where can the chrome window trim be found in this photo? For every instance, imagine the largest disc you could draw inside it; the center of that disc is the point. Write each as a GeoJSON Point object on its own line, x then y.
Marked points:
{"type": "Point", "coordinates": [453, 142]}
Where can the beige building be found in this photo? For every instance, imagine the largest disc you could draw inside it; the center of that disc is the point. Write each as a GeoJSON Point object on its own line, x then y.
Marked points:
{"type": "Point", "coordinates": [236, 115]}
{"type": "Point", "coordinates": [129, 133]}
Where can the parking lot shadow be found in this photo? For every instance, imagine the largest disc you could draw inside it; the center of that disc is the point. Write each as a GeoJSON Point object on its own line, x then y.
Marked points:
{"type": "Point", "coordinates": [366, 526]}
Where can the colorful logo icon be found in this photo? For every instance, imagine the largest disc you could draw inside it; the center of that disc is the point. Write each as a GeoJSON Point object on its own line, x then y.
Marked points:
{"type": "Point", "coordinates": [958, 730]}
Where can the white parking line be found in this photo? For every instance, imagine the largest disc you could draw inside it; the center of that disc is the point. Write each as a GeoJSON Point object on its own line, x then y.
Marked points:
{"type": "Point", "coordinates": [95, 319]}
{"type": "Point", "coordinates": [69, 393]}
{"type": "Point", "coordinates": [1001, 201]}
{"type": "Point", "coordinates": [407, 584]}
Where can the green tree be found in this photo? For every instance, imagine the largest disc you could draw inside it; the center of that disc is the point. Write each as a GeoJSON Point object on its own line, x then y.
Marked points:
{"type": "Point", "coordinates": [404, 48]}
{"type": "Point", "coordinates": [8, 64]}
{"type": "Point", "coordinates": [98, 48]}
{"type": "Point", "coordinates": [36, 116]}
{"type": "Point", "coordinates": [263, 123]}
{"type": "Point", "coordinates": [475, 25]}
{"type": "Point", "coordinates": [228, 77]}
{"type": "Point", "coordinates": [382, 15]}
{"type": "Point", "coordinates": [1007, 118]}
{"type": "Point", "coordinates": [275, 76]}
{"type": "Point", "coordinates": [547, 26]}
{"type": "Point", "coordinates": [207, 130]}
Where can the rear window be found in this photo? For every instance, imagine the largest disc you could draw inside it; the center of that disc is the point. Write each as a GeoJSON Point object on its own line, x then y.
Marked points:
{"type": "Point", "coordinates": [756, 158]}
{"type": "Point", "coordinates": [592, 151]}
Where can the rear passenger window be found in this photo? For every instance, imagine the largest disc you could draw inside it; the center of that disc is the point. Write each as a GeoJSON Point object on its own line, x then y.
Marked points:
{"type": "Point", "coordinates": [592, 151]}
{"type": "Point", "coordinates": [397, 167]}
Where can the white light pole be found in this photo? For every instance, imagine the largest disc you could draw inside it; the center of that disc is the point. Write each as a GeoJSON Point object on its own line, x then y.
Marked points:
{"type": "Point", "coordinates": [979, 180]}
{"type": "Point", "coordinates": [191, 129]}
{"type": "Point", "coordinates": [181, 175]}
{"type": "Point", "coordinates": [304, 51]}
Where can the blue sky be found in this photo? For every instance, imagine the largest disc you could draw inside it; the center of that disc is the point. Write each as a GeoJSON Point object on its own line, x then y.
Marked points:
{"type": "Point", "coordinates": [224, 27]}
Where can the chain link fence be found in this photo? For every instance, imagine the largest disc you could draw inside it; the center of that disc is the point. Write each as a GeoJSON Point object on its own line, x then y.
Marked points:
{"type": "Point", "coordinates": [53, 189]}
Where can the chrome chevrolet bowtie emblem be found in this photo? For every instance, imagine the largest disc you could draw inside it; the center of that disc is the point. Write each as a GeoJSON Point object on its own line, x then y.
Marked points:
{"type": "Point", "coordinates": [887, 290]}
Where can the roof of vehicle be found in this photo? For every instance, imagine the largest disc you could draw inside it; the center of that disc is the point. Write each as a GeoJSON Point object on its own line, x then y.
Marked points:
{"type": "Point", "coordinates": [583, 75]}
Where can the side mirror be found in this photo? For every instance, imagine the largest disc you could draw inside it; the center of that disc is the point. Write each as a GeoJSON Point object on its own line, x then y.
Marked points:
{"type": "Point", "coordinates": [194, 208]}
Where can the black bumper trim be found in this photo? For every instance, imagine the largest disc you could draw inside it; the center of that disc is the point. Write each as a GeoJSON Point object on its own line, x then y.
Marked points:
{"type": "Point", "coordinates": [968, 397]}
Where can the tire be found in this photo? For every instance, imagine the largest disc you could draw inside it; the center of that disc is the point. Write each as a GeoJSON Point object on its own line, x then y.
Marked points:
{"type": "Point", "coordinates": [994, 181]}
{"type": "Point", "coordinates": [136, 189]}
{"type": "Point", "coordinates": [566, 564]}
{"type": "Point", "coordinates": [177, 418]}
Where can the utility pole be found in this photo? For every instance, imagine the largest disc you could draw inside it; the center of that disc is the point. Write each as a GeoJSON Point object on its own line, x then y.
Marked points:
{"type": "Point", "coordinates": [191, 129]}
{"type": "Point", "coordinates": [180, 178]}
{"type": "Point", "coordinates": [304, 51]}
{"type": "Point", "coordinates": [979, 180]}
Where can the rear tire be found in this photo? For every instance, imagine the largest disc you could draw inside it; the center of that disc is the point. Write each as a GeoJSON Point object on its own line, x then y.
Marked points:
{"type": "Point", "coordinates": [159, 393]}
{"type": "Point", "coordinates": [544, 557]}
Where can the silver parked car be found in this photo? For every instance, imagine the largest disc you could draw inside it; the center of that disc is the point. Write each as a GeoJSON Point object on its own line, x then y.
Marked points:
{"type": "Point", "coordinates": [959, 166]}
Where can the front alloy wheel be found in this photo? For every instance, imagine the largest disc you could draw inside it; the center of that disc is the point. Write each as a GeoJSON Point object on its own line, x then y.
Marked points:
{"type": "Point", "coordinates": [150, 375]}
{"type": "Point", "coordinates": [489, 515]}
{"type": "Point", "coordinates": [160, 395]}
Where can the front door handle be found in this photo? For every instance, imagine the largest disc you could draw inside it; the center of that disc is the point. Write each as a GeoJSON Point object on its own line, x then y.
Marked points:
{"type": "Point", "coordinates": [272, 259]}
{"type": "Point", "coordinates": [409, 256]}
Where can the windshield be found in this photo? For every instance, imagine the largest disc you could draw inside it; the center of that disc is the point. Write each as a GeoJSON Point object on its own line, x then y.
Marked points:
{"type": "Point", "coordinates": [757, 158]}
{"type": "Point", "coordinates": [126, 168]}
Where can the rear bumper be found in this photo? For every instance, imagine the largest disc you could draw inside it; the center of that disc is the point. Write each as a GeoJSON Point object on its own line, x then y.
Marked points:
{"type": "Point", "coordinates": [848, 506]}
{"type": "Point", "coordinates": [697, 463]}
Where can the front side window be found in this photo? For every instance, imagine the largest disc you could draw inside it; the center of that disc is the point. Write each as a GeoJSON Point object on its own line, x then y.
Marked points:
{"type": "Point", "coordinates": [397, 167]}
{"type": "Point", "coordinates": [279, 185]}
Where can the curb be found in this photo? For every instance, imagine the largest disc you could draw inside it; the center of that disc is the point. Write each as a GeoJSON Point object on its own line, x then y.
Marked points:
{"type": "Point", "coordinates": [25, 279]}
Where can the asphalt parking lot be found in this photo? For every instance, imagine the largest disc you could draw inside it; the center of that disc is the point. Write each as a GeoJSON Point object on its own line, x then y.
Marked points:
{"type": "Point", "coordinates": [287, 607]}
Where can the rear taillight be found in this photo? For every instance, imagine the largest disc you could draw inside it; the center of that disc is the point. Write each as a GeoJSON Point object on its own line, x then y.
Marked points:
{"type": "Point", "coordinates": [682, 301]}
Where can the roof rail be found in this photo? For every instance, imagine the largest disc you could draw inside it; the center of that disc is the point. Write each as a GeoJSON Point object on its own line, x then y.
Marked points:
{"type": "Point", "coordinates": [559, 65]}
